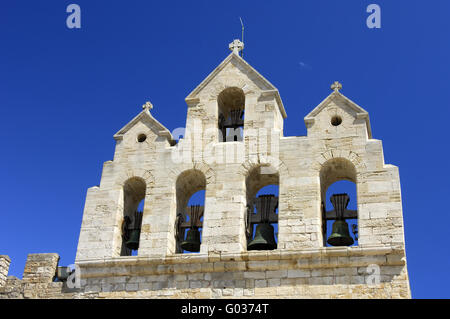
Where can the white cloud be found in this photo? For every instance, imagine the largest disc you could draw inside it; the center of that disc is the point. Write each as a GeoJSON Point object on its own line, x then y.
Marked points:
{"type": "Point", "coordinates": [303, 65]}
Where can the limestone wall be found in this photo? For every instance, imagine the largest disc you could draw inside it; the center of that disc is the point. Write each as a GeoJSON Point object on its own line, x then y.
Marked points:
{"type": "Point", "coordinates": [337, 272]}
{"type": "Point", "coordinates": [4, 268]}
{"type": "Point", "coordinates": [305, 167]}
{"type": "Point", "coordinates": [338, 146]}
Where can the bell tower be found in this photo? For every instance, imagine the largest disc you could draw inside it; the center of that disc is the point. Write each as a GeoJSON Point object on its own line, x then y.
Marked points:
{"type": "Point", "coordinates": [237, 242]}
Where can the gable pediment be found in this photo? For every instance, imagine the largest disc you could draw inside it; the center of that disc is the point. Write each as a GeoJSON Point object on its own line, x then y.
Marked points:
{"type": "Point", "coordinates": [339, 100]}
{"type": "Point", "coordinates": [249, 80]}
{"type": "Point", "coordinates": [148, 120]}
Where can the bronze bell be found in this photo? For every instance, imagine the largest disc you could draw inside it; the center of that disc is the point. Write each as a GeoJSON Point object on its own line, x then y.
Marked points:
{"type": "Point", "coordinates": [133, 242]}
{"type": "Point", "coordinates": [264, 238]}
{"type": "Point", "coordinates": [192, 241]}
{"type": "Point", "coordinates": [340, 236]}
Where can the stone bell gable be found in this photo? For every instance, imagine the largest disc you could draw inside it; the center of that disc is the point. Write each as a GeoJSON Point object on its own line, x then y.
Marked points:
{"type": "Point", "coordinates": [347, 119]}
{"type": "Point", "coordinates": [140, 237]}
{"type": "Point", "coordinates": [144, 135]}
{"type": "Point", "coordinates": [235, 73]}
{"type": "Point", "coordinates": [144, 123]}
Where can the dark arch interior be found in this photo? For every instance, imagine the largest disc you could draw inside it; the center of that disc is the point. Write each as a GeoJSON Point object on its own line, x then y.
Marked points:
{"type": "Point", "coordinates": [259, 183]}
{"type": "Point", "coordinates": [338, 176]}
{"type": "Point", "coordinates": [340, 187]}
{"type": "Point", "coordinates": [133, 201]}
{"type": "Point", "coordinates": [190, 190]}
{"type": "Point", "coordinates": [232, 98]}
{"type": "Point", "coordinates": [231, 104]}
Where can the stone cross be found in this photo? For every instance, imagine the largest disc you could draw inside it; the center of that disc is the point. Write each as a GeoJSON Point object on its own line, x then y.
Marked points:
{"type": "Point", "coordinates": [336, 86]}
{"type": "Point", "coordinates": [147, 106]}
{"type": "Point", "coordinates": [236, 46]}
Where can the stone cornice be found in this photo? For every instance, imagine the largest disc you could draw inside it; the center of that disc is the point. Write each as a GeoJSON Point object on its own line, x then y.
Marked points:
{"type": "Point", "coordinates": [327, 257]}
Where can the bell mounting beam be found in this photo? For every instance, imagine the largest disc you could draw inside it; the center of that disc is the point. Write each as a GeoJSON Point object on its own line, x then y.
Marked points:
{"type": "Point", "coordinates": [266, 206]}
{"type": "Point", "coordinates": [340, 211]}
{"type": "Point", "coordinates": [195, 213]}
{"type": "Point", "coordinates": [233, 121]}
{"type": "Point", "coordinates": [348, 214]}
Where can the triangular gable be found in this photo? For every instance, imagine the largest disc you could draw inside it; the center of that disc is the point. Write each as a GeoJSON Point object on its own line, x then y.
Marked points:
{"type": "Point", "coordinates": [360, 112]}
{"type": "Point", "coordinates": [269, 87]}
{"type": "Point", "coordinates": [145, 117]}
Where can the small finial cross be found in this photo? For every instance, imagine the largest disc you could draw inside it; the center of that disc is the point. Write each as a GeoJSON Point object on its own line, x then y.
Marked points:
{"type": "Point", "coordinates": [147, 106]}
{"type": "Point", "coordinates": [336, 86]}
{"type": "Point", "coordinates": [236, 46]}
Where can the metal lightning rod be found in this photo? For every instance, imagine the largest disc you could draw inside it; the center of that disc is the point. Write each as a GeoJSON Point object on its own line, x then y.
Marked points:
{"type": "Point", "coordinates": [242, 24]}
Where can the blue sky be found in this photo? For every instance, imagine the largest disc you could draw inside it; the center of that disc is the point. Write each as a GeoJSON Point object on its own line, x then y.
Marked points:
{"type": "Point", "coordinates": [65, 92]}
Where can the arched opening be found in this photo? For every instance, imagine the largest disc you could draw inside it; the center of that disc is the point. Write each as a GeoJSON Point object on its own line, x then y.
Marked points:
{"type": "Point", "coordinates": [339, 203]}
{"type": "Point", "coordinates": [133, 207]}
{"type": "Point", "coordinates": [262, 185]}
{"type": "Point", "coordinates": [190, 192]}
{"type": "Point", "coordinates": [342, 187]}
{"type": "Point", "coordinates": [231, 103]}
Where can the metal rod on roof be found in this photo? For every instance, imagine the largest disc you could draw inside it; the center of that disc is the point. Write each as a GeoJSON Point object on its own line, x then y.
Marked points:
{"type": "Point", "coordinates": [242, 24]}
